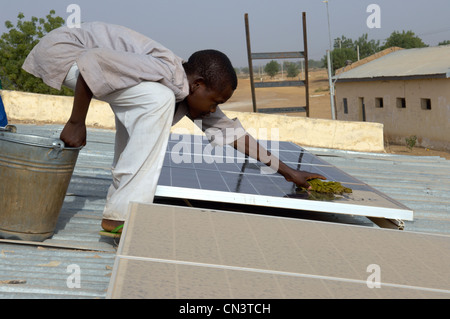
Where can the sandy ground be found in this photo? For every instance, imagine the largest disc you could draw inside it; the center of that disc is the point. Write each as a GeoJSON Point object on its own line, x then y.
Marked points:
{"type": "Point", "coordinates": [319, 98]}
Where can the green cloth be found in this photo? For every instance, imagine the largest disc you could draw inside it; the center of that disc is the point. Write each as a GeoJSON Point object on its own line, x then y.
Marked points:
{"type": "Point", "coordinates": [328, 187]}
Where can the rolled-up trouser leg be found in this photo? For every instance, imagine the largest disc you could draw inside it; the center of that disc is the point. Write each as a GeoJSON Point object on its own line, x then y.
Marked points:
{"type": "Point", "coordinates": [144, 114]}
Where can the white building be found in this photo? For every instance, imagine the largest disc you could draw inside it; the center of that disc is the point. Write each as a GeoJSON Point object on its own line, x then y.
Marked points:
{"type": "Point", "coordinates": [407, 90]}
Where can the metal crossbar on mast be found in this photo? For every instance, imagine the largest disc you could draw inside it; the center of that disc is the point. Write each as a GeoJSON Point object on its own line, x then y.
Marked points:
{"type": "Point", "coordinates": [279, 55]}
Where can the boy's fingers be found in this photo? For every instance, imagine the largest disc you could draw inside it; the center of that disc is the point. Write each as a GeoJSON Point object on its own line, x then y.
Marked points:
{"type": "Point", "coordinates": [313, 176]}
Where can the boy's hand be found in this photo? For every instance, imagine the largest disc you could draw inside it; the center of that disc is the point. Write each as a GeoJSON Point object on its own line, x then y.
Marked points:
{"type": "Point", "coordinates": [74, 134]}
{"type": "Point", "coordinates": [300, 178]}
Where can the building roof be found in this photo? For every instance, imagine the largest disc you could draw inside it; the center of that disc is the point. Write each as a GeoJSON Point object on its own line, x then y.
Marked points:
{"type": "Point", "coordinates": [430, 62]}
{"type": "Point", "coordinates": [41, 270]}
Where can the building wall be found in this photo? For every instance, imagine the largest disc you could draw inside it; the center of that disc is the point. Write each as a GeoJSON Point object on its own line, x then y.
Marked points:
{"type": "Point", "coordinates": [431, 126]}
{"type": "Point", "coordinates": [354, 136]}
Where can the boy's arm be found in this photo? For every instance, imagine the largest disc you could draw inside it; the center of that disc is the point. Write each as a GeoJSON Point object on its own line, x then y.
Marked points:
{"type": "Point", "coordinates": [249, 146]}
{"type": "Point", "coordinates": [74, 132]}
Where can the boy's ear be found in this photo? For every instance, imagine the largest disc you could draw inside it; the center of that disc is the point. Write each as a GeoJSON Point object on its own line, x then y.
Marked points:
{"type": "Point", "coordinates": [196, 83]}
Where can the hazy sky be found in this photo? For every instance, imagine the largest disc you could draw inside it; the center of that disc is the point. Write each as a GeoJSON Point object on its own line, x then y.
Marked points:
{"type": "Point", "coordinates": [275, 25]}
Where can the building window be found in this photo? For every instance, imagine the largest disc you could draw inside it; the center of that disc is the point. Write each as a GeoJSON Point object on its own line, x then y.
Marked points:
{"type": "Point", "coordinates": [379, 102]}
{"type": "Point", "coordinates": [401, 102]}
{"type": "Point", "coordinates": [425, 104]}
{"type": "Point", "coordinates": [361, 109]}
{"type": "Point", "coordinates": [345, 105]}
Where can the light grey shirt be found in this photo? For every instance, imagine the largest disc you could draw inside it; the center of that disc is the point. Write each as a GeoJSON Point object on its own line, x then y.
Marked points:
{"type": "Point", "coordinates": [111, 58]}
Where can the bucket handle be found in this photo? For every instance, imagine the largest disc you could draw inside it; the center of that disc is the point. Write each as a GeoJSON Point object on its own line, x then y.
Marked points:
{"type": "Point", "coordinates": [58, 146]}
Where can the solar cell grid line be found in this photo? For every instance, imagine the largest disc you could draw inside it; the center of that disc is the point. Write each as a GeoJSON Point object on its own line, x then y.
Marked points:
{"type": "Point", "coordinates": [243, 183]}
{"type": "Point", "coordinates": [186, 252]}
{"type": "Point", "coordinates": [193, 169]}
{"type": "Point", "coordinates": [225, 165]}
{"type": "Point", "coordinates": [331, 171]}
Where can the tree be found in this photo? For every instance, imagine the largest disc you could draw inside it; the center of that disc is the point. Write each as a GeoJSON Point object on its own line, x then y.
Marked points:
{"type": "Point", "coordinates": [366, 47]}
{"type": "Point", "coordinates": [15, 46]}
{"type": "Point", "coordinates": [339, 58]}
{"type": "Point", "coordinates": [291, 68]}
{"type": "Point", "coordinates": [343, 42]}
{"type": "Point", "coordinates": [446, 42]}
{"type": "Point", "coordinates": [405, 40]}
{"type": "Point", "coordinates": [272, 68]}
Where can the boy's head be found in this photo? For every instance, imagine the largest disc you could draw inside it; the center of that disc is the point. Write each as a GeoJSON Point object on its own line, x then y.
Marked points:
{"type": "Point", "coordinates": [212, 81]}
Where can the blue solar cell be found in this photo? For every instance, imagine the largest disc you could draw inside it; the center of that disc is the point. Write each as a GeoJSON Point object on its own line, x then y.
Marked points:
{"type": "Point", "coordinates": [193, 169]}
{"type": "Point", "coordinates": [191, 162]}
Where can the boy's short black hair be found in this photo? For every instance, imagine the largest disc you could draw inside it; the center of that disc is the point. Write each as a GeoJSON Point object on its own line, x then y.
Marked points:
{"type": "Point", "coordinates": [214, 67]}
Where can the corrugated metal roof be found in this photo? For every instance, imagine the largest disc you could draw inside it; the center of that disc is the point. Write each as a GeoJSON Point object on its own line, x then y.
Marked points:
{"type": "Point", "coordinates": [409, 63]}
{"type": "Point", "coordinates": [41, 270]}
{"type": "Point", "coordinates": [422, 183]}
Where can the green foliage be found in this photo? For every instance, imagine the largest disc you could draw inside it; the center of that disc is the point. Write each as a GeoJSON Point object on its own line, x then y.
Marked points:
{"type": "Point", "coordinates": [346, 49]}
{"type": "Point", "coordinates": [411, 142]}
{"type": "Point", "coordinates": [367, 47]}
{"type": "Point", "coordinates": [292, 69]}
{"type": "Point", "coordinates": [446, 42]}
{"type": "Point", "coordinates": [272, 68]}
{"type": "Point", "coordinates": [406, 40]}
{"type": "Point", "coordinates": [339, 58]}
{"type": "Point", "coordinates": [343, 42]}
{"type": "Point", "coordinates": [16, 44]}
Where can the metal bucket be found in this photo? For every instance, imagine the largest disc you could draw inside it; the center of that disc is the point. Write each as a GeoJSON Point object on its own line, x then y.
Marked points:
{"type": "Point", "coordinates": [35, 173]}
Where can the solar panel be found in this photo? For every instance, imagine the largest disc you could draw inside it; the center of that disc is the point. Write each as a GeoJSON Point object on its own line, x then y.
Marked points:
{"type": "Point", "coordinates": [193, 169]}
{"type": "Point", "coordinates": [181, 252]}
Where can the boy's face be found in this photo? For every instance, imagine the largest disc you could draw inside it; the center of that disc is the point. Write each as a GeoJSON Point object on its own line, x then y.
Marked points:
{"type": "Point", "coordinates": [202, 100]}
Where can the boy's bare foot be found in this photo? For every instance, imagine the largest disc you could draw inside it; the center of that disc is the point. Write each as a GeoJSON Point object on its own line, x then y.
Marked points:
{"type": "Point", "coordinates": [109, 225]}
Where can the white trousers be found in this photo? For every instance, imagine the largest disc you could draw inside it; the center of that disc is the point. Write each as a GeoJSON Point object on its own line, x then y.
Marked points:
{"type": "Point", "coordinates": [144, 115]}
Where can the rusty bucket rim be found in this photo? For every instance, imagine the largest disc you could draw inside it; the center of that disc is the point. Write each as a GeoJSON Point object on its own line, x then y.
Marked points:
{"type": "Point", "coordinates": [47, 142]}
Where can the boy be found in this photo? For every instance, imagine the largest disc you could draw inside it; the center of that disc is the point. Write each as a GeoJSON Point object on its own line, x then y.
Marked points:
{"type": "Point", "coordinates": [149, 89]}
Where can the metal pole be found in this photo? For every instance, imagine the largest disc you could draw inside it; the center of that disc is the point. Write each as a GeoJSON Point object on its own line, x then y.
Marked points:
{"type": "Point", "coordinates": [330, 82]}
{"type": "Point", "coordinates": [305, 54]}
{"type": "Point", "coordinates": [250, 64]}
{"type": "Point", "coordinates": [329, 28]}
